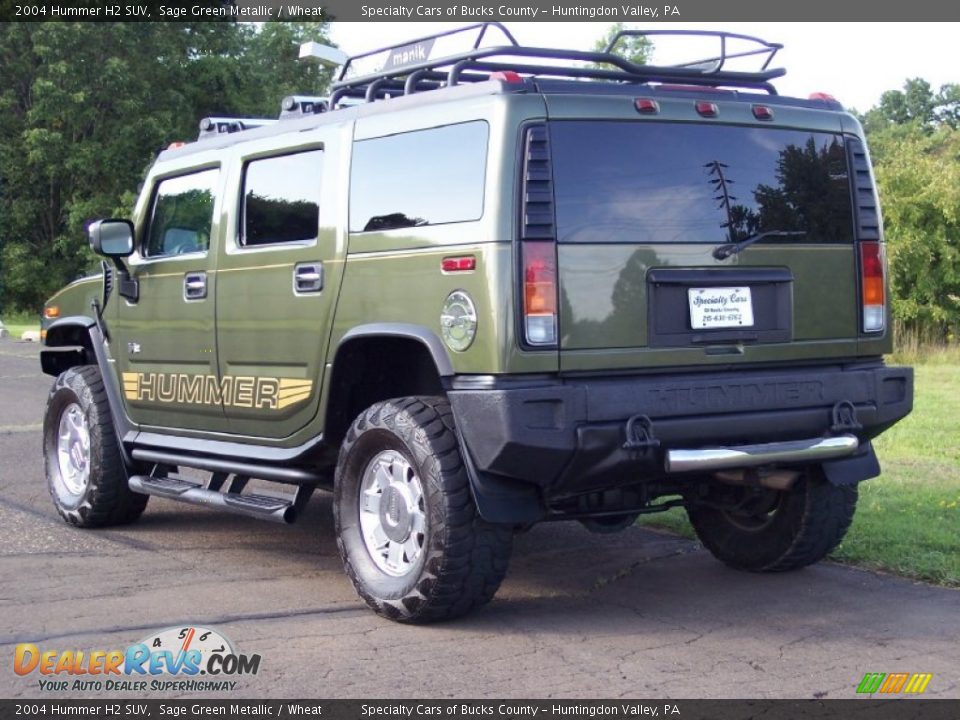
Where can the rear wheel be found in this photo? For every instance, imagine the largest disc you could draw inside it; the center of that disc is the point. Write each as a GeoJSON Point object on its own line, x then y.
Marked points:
{"type": "Point", "coordinates": [86, 476]}
{"type": "Point", "coordinates": [774, 531]}
{"type": "Point", "coordinates": [408, 531]}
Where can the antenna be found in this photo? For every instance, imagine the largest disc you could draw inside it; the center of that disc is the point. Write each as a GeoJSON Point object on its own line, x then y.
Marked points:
{"type": "Point", "coordinates": [324, 54]}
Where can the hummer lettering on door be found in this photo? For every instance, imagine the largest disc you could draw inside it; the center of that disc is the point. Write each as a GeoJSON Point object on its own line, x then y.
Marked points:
{"type": "Point", "coordinates": [262, 393]}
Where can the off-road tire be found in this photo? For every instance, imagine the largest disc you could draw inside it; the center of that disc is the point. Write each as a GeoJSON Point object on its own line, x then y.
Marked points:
{"type": "Point", "coordinates": [810, 520]}
{"type": "Point", "coordinates": [464, 558]}
{"type": "Point", "coordinates": [106, 499]}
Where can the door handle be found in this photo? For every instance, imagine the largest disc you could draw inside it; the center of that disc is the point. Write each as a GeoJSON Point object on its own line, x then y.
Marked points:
{"type": "Point", "coordinates": [195, 286]}
{"type": "Point", "coordinates": [308, 277]}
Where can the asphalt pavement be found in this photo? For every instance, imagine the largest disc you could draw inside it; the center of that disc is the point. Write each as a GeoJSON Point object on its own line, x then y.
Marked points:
{"type": "Point", "coordinates": [636, 614]}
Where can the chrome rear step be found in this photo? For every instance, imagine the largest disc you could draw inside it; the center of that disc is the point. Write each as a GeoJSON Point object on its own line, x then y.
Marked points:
{"type": "Point", "coordinates": [801, 452]}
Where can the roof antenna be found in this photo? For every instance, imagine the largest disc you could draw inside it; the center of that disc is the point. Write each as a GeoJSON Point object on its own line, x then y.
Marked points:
{"type": "Point", "coordinates": [324, 54]}
{"type": "Point", "coordinates": [300, 105]}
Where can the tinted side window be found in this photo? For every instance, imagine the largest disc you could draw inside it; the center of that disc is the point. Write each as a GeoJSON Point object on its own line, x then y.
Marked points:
{"type": "Point", "coordinates": [182, 214]}
{"type": "Point", "coordinates": [281, 199]}
{"type": "Point", "coordinates": [426, 177]}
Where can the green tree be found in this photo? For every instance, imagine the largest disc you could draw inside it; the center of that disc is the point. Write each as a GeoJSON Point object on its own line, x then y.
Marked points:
{"type": "Point", "coordinates": [918, 104]}
{"type": "Point", "coordinates": [85, 107]}
{"type": "Point", "coordinates": [918, 174]}
{"type": "Point", "coordinates": [635, 48]}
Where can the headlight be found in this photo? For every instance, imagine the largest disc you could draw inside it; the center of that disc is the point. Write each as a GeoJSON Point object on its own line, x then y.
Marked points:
{"type": "Point", "coordinates": [458, 321]}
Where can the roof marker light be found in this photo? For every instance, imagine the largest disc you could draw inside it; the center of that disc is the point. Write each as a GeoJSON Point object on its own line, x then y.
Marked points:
{"type": "Point", "coordinates": [762, 112]}
{"type": "Point", "coordinates": [647, 106]}
{"type": "Point", "coordinates": [507, 76]}
{"type": "Point", "coordinates": [707, 109]}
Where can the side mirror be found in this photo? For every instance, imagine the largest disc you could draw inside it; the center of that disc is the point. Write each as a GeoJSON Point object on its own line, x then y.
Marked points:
{"type": "Point", "coordinates": [111, 238]}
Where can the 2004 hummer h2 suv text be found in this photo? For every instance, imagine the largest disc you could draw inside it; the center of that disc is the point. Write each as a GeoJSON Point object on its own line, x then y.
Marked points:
{"type": "Point", "coordinates": [474, 290]}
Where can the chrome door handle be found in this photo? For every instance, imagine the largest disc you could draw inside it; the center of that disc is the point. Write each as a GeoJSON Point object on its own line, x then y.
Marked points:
{"type": "Point", "coordinates": [195, 286]}
{"type": "Point", "coordinates": [308, 277]}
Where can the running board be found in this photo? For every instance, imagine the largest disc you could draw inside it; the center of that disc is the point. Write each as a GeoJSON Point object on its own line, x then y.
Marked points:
{"type": "Point", "coordinates": [258, 506]}
{"type": "Point", "coordinates": [292, 476]}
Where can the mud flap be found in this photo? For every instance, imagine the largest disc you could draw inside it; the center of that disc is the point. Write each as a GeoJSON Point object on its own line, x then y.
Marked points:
{"type": "Point", "coordinates": [502, 501]}
{"type": "Point", "coordinates": [854, 469]}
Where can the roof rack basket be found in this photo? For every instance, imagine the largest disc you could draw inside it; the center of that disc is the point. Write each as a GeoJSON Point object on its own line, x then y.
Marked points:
{"type": "Point", "coordinates": [409, 68]}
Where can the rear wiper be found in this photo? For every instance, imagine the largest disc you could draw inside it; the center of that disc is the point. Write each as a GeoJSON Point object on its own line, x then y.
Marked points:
{"type": "Point", "coordinates": [722, 252]}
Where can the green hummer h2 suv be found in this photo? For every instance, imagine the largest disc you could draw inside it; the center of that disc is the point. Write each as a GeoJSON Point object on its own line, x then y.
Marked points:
{"type": "Point", "coordinates": [473, 290]}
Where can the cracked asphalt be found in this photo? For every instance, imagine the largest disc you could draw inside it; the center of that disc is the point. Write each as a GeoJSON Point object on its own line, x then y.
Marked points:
{"type": "Point", "coordinates": [639, 613]}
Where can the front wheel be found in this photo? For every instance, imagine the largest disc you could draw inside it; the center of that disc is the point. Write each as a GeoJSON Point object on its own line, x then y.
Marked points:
{"type": "Point", "coordinates": [408, 531]}
{"type": "Point", "coordinates": [85, 472]}
{"type": "Point", "coordinates": [774, 531]}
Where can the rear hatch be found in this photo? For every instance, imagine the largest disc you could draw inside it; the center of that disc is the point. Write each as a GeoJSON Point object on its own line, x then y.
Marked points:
{"type": "Point", "coordinates": [643, 200]}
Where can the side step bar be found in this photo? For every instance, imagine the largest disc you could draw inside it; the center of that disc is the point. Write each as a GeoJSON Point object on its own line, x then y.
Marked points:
{"type": "Point", "coordinates": [794, 451]}
{"type": "Point", "coordinates": [258, 506]}
{"type": "Point", "coordinates": [293, 476]}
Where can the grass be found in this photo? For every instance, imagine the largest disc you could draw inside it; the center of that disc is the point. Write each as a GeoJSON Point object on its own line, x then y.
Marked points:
{"type": "Point", "coordinates": [908, 519]}
{"type": "Point", "coordinates": [18, 323]}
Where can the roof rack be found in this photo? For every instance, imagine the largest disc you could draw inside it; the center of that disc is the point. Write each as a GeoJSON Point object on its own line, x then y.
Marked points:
{"type": "Point", "coordinates": [711, 65]}
{"type": "Point", "coordinates": [409, 67]}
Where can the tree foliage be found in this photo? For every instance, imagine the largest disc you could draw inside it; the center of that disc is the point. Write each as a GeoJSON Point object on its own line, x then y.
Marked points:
{"type": "Point", "coordinates": [85, 107]}
{"type": "Point", "coordinates": [635, 48]}
{"type": "Point", "coordinates": [916, 104]}
{"type": "Point", "coordinates": [918, 174]}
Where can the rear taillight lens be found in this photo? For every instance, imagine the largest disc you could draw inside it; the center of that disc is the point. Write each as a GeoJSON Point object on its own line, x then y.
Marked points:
{"type": "Point", "coordinates": [873, 286]}
{"type": "Point", "coordinates": [540, 292]}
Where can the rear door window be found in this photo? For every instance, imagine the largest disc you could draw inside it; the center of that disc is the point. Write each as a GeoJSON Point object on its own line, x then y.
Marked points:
{"type": "Point", "coordinates": [281, 199]}
{"type": "Point", "coordinates": [652, 183]}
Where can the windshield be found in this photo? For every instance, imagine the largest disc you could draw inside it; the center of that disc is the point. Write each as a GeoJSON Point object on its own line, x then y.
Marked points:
{"type": "Point", "coordinates": [652, 182]}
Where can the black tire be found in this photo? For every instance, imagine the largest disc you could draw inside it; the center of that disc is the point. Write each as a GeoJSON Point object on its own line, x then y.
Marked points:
{"type": "Point", "coordinates": [463, 559]}
{"type": "Point", "coordinates": [104, 499]}
{"type": "Point", "coordinates": [803, 526]}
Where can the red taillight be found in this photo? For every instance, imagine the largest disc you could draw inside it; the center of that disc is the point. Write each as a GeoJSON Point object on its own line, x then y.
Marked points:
{"type": "Point", "coordinates": [872, 286]}
{"type": "Point", "coordinates": [762, 112]}
{"type": "Point", "coordinates": [707, 109]}
{"type": "Point", "coordinates": [540, 292]}
{"type": "Point", "coordinates": [459, 264]}
{"type": "Point", "coordinates": [647, 106]}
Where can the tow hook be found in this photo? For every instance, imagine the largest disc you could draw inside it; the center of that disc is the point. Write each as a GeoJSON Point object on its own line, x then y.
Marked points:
{"type": "Point", "coordinates": [844, 418]}
{"type": "Point", "coordinates": [640, 438]}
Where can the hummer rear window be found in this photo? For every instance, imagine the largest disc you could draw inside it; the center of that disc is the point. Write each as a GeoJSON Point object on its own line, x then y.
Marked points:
{"type": "Point", "coordinates": [425, 177]}
{"type": "Point", "coordinates": [652, 182]}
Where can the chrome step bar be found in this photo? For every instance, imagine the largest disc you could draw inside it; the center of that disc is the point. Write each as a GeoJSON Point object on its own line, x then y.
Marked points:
{"type": "Point", "coordinates": [258, 506]}
{"type": "Point", "coordinates": [801, 452]}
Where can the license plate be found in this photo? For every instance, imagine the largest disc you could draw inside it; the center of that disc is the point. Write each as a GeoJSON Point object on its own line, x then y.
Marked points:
{"type": "Point", "coordinates": [727, 307]}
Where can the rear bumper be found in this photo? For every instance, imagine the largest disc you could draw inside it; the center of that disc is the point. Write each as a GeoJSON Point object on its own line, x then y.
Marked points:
{"type": "Point", "coordinates": [567, 436]}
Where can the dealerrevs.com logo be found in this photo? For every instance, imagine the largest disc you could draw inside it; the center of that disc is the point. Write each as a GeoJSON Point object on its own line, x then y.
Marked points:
{"type": "Point", "coordinates": [179, 659]}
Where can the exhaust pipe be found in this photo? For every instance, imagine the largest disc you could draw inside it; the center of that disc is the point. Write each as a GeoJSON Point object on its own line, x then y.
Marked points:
{"type": "Point", "coordinates": [257, 506]}
{"type": "Point", "coordinates": [751, 477]}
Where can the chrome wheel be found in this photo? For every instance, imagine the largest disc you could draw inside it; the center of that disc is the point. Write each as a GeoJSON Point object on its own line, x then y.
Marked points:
{"type": "Point", "coordinates": [393, 521]}
{"type": "Point", "coordinates": [73, 449]}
